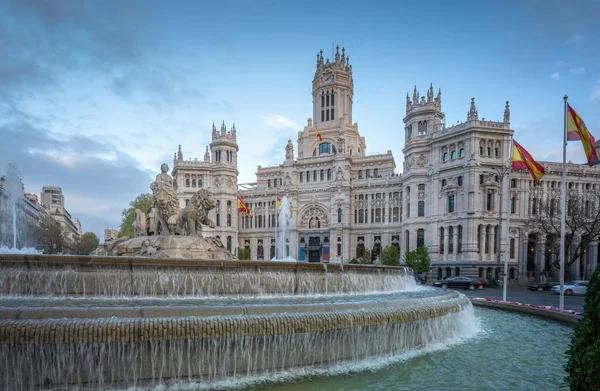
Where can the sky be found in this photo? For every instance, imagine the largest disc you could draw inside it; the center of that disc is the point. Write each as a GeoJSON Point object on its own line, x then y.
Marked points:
{"type": "Point", "coordinates": [95, 95]}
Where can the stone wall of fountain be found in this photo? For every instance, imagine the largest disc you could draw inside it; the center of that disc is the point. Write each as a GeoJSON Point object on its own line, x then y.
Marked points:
{"type": "Point", "coordinates": [114, 322]}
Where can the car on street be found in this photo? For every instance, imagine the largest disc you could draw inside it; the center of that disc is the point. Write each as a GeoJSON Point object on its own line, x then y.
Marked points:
{"type": "Point", "coordinates": [578, 287]}
{"type": "Point", "coordinates": [542, 286]}
{"type": "Point", "coordinates": [460, 282]}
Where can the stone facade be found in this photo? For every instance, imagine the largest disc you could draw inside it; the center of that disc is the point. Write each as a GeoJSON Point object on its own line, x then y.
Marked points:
{"type": "Point", "coordinates": [344, 200]}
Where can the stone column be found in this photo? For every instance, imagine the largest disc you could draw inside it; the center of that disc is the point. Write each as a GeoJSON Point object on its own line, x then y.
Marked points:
{"type": "Point", "coordinates": [593, 257]}
{"type": "Point", "coordinates": [491, 255]}
{"type": "Point", "coordinates": [455, 244]}
{"type": "Point", "coordinates": [540, 255]}
{"type": "Point", "coordinates": [482, 243]}
{"type": "Point", "coordinates": [446, 243]}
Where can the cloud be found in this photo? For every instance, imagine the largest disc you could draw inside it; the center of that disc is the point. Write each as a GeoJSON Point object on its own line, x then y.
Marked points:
{"type": "Point", "coordinates": [556, 76]}
{"type": "Point", "coordinates": [577, 70]}
{"type": "Point", "coordinates": [279, 121]}
{"type": "Point", "coordinates": [575, 38]}
{"type": "Point", "coordinates": [98, 181]}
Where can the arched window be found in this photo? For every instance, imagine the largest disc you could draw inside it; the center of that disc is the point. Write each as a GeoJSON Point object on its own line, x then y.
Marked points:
{"type": "Point", "coordinates": [229, 220]}
{"type": "Point", "coordinates": [460, 180]}
{"type": "Point", "coordinates": [461, 152]}
{"type": "Point", "coordinates": [496, 152]}
{"type": "Point", "coordinates": [444, 182]}
{"type": "Point", "coordinates": [194, 182]}
{"type": "Point", "coordinates": [187, 182]}
{"type": "Point", "coordinates": [339, 213]}
{"type": "Point", "coordinates": [421, 209]}
{"type": "Point", "coordinates": [451, 203]}
{"type": "Point", "coordinates": [361, 216]}
{"type": "Point", "coordinates": [445, 157]}
{"type": "Point", "coordinates": [420, 237]}
{"type": "Point", "coordinates": [200, 181]}
{"type": "Point", "coordinates": [489, 151]}
{"type": "Point", "coordinates": [329, 174]}
{"type": "Point", "coordinates": [480, 151]}
{"type": "Point", "coordinates": [453, 155]}
{"type": "Point", "coordinates": [187, 202]}
{"type": "Point", "coordinates": [359, 174]}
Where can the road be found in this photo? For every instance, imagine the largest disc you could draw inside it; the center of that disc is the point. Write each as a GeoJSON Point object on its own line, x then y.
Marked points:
{"type": "Point", "coordinates": [522, 295]}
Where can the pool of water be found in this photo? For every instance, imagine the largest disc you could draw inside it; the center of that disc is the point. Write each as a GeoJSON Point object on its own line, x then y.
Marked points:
{"type": "Point", "coordinates": [509, 352]}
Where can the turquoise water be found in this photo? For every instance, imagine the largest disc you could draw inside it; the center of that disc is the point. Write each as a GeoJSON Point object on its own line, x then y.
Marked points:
{"type": "Point", "coordinates": [510, 352]}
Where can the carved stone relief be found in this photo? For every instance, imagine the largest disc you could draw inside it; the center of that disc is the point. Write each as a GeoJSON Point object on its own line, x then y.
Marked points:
{"type": "Point", "coordinates": [313, 216]}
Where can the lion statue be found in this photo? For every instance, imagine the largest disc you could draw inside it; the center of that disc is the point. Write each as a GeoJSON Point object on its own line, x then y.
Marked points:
{"type": "Point", "coordinates": [195, 213]}
{"type": "Point", "coordinates": [166, 207]}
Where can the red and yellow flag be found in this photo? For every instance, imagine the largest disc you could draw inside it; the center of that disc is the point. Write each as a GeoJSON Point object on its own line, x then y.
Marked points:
{"type": "Point", "coordinates": [278, 203]}
{"type": "Point", "coordinates": [522, 160]}
{"type": "Point", "coordinates": [242, 207]}
{"type": "Point", "coordinates": [576, 130]}
{"type": "Point", "coordinates": [318, 135]}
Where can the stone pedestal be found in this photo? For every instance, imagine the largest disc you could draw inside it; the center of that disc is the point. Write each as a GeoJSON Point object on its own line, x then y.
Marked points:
{"type": "Point", "coordinates": [174, 246]}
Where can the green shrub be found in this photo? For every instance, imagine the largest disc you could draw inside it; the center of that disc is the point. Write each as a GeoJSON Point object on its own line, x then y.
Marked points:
{"type": "Point", "coordinates": [243, 254]}
{"type": "Point", "coordinates": [584, 351]}
{"type": "Point", "coordinates": [366, 257]}
{"type": "Point", "coordinates": [390, 256]}
{"type": "Point", "coordinates": [354, 261]}
{"type": "Point", "coordinates": [418, 259]}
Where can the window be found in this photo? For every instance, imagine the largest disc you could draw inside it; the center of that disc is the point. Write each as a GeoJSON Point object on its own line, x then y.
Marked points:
{"type": "Point", "coordinates": [490, 202]}
{"type": "Point", "coordinates": [322, 175]}
{"type": "Point", "coordinates": [229, 243]}
{"type": "Point", "coordinates": [421, 209]}
{"type": "Point", "coordinates": [368, 173]}
{"type": "Point", "coordinates": [396, 214]}
{"type": "Point", "coordinates": [460, 235]}
{"type": "Point", "coordinates": [513, 205]}
{"type": "Point", "coordinates": [407, 240]}
{"type": "Point", "coordinates": [441, 240]}
{"type": "Point", "coordinates": [187, 202]}
{"type": "Point", "coordinates": [200, 181]}
{"type": "Point", "coordinates": [453, 155]}
{"type": "Point", "coordinates": [268, 183]}
{"type": "Point", "coordinates": [460, 180]}
{"type": "Point", "coordinates": [496, 152]}
{"type": "Point", "coordinates": [512, 248]}
{"type": "Point", "coordinates": [359, 174]}
{"type": "Point", "coordinates": [513, 183]}
{"type": "Point", "coordinates": [461, 152]}
{"type": "Point", "coordinates": [420, 237]}
{"type": "Point", "coordinates": [361, 216]}
{"type": "Point", "coordinates": [314, 175]}
{"type": "Point", "coordinates": [534, 206]}
{"type": "Point", "coordinates": [218, 223]}
{"type": "Point", "coordinates": [409, 131]}
{"type": "Point", "coordinates": [421, 187]}
{"type": "Point", "coordinates": [445, 156]}
{"type": "Point", "coordinates": [187, 182]}
{"type": "Point", "coordinates": [480, 151]}
{"type": "Point", "coordinates": [375, 172]}
{"type": "Point", "coordinates": [451, 203]}
{"type": "Point", "coordinates": [444, 182]}
{"type": "Point", "coordinates": [422, 128]}
{"type": "Point", "coordinates": [229, 220]}
{"type": "Point", "coordinates": [324, 148]}
{"type": "Point", "coordinates": [451, 240]}
{"type": "Point", "coordinates": [301, 177]}
{"type": "Point", "coordinates": [489, 151]}
{"type": "Point", "coordinates": [193, 182]}
{"type": "Point", "coordinates": [339, 213]}
{"type": "Point", "coordinates": [329, 174]}
{"type": "Point", "coordinates": [378, 215]}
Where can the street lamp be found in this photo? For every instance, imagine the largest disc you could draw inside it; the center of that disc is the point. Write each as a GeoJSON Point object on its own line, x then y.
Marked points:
{"type": "Point", "coordinates": [501, 172]}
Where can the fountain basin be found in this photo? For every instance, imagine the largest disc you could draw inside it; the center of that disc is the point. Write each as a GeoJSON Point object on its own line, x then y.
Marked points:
{"type": "Point", "coordinates": [108, 322]}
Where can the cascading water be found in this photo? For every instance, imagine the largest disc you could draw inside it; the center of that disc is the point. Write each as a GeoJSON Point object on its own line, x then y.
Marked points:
{"type": "Point", "coordinates": [283, 231]}
{"type": "Point", "coordinates": [111, 323]}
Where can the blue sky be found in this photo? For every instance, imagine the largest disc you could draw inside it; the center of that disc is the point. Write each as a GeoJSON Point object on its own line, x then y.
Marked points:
{"type": "Point", "coordinates": [95, 95]}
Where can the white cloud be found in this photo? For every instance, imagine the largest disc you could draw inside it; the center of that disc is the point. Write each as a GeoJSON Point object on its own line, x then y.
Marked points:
{"type": "Point", "coordinates": [279, 121]}
{"type": "Point", "coordinates": [575, 38]}
{"type": "Point", "coordinates": [555, 76]}
{"type": "Point", "coordinates": [577, 70]}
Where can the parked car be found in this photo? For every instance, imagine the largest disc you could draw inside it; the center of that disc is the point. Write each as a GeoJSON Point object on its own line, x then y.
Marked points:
{"type": "Point", "coordinates": [460, 282]}
{"type": "Point", "coordinates": [542, 286]}
{"type": "Point", "coordinates": [578, 287]}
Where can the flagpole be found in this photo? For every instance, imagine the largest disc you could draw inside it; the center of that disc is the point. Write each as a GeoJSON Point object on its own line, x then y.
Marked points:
{"type": "Point", "coordinates": [563, 208]}
{"type": "Point", "coordinates": [507, 229]}
{"type": "Point", "coordinates": [276, 220]}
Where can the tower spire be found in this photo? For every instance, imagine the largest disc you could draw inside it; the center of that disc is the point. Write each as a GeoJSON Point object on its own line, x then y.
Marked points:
{"type": "Point", "coordinates": [507, 113]}
{"type": "Point", "coordinates": [472, 115]}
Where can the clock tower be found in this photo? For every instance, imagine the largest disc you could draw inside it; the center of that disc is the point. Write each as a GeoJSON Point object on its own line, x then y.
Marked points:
{"type": "Point", "coordinates": [330, 130]}
{"type": "Point", "coordinates": [333, 90]}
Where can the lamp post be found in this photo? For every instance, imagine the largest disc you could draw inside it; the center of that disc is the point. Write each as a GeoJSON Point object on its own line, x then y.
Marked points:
{"type": "Point", "coordinates": [503, 171]}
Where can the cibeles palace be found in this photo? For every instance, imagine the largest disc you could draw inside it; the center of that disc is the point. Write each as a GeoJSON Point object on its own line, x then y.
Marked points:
{"type": "Point", "coordinates": [344, 200]}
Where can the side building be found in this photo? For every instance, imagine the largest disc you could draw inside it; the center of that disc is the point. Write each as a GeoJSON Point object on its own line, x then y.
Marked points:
{"type": "Point", "coordinates": [451, 196]}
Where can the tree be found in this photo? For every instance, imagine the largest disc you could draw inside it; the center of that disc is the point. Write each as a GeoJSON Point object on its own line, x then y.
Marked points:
{"type": "Point", "coordinates": [584, 350]}
{"type": "Point", "coordinates": [418, 259]}
{"type": "Point", "coordinates": [365, 258]}
{"type": "Point", "coordinates": [51, 236]}
{"type": "Point", "coordinates": [582, 222]}
{"type": "Point", "coordinates": [243, 254]}
{"type": "Point", "coordinates": [86, 244]}
{"type": "Point", "coordinates": [390, 256]}
{"type": "Point", "coordinates": [142, 202]}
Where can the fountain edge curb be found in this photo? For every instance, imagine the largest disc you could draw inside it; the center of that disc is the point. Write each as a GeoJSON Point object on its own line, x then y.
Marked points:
{"type": "Point", "coordinates": [552, 315]}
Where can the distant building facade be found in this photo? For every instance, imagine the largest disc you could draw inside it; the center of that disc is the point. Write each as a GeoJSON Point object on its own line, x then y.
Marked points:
{"type": "Point", "coordinates": [345, 201]}
{"type": "Point", "coordinates": [53, 201]}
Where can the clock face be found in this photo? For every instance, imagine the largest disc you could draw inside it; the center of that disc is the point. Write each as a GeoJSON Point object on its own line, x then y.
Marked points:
{"type": "Point", "coordinates": [328, 79]}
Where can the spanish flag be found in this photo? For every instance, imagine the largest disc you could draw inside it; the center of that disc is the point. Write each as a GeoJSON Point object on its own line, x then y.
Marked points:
{"type": "Point", "coordinates": [242, 207]}
{"type": "Point", "coordinates": [522, 160]}
{"type": "Point", "coordinates": [576, 130]}
{"type": "Point", "coordinates": [318, 135]}
{"type": "Point", "coordinates": [278, 203]}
